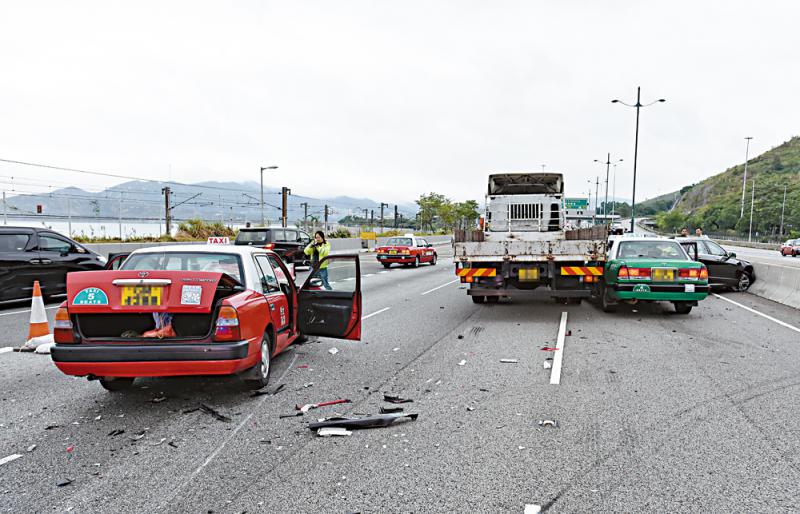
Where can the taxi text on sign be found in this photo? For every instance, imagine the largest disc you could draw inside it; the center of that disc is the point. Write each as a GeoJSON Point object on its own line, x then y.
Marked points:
{"type": "Point", "coordinates": [214, 240]}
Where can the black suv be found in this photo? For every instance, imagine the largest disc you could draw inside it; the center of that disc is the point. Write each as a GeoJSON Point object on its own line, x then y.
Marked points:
{"type": "Point", "coordinates": [725, 270]}
{"type": "Point", "coordinates": [28, 254]}
{"type": "Point", "coordinates": [289, 243]}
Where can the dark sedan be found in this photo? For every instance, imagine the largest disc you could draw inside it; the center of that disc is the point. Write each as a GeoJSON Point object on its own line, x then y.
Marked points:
{"type": "Point", "coordinates": [289, 243]}
{"type": "Point", "coordinates": [28, 254]}
{"type": "Point", "coordinates": [725, 270]}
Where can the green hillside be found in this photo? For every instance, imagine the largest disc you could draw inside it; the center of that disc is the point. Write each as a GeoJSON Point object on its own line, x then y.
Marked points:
{"type": "Point", "coordinates": [715, 203]}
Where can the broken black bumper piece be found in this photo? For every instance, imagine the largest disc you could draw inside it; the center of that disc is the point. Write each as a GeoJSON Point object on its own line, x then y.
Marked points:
{"type": "Point", "coordinates": [383, 420]}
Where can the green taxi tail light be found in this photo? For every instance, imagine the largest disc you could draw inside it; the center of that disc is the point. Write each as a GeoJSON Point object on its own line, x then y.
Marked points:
{"type": "Point", "coordinates": [626, 273]}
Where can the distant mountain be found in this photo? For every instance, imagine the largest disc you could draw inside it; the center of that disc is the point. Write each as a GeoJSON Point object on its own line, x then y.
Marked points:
{"type": "Point", "coordinates": [211, 200]}
{"type": "Point", "coordinates": [716, 202]}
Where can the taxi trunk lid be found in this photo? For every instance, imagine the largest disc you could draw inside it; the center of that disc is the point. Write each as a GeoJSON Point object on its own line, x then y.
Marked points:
{"type": "Point", "coordinates": [128, 304]}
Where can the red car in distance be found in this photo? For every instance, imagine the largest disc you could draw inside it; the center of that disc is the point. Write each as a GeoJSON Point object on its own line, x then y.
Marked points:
{"type": "Point", "coordinates": [407, 250]}
{"type": "Point", "coordinates": [790, 248]}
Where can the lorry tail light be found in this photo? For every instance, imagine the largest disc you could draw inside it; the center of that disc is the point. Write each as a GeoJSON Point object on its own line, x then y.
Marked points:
{"type": "Point", "coordinates": [589, 279]}
{"type": "Point", "coordinates": [227, 327]}
{"type": "Point", "coordinates": [703, 273]}
{"type": "Point", "coordinates": [269, 246]}
{"type": "Point", "coordinates": [62, 328]}
{"type": "Point", "coordinates": [469, 280]}
{"type": "Point", "coordinates": [623, 273]}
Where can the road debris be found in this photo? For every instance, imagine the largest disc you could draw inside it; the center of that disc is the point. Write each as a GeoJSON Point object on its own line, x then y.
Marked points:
{"type": "Point", "coordinates": [158, 399]}
{"type": "Point", "coordinates": [160, 442]}
{"type": "Point", "coordinates": [190, 410]}
{"type": "Point", "coordinates": [548, 349]}
{"type": "Point", "coordinates": [308, 384]}
{"type": "Point", "coordinates": [302, 366]}
{"type": "Point", "coordinates": [215, 413]}
{"type": "Point", "coordinates": [383, 420]}
{"type": "Point", "coordinates": [44, 349]}
{"type": "Point", "coordinates": [509, 361]}
{"type": "Point", "coordinates": [470, 408]}
{"type": "Point", "coordinates": [284, 416]}
{"type": "Point", "coordinates": [463, 362]}
{"type": "Point", "coordinates": [395, 399]}
{"type": "Point", "coordinates": [333, 351]}
{"type": "Point", "coordinates": [116, 432]}
{"type": "Point", "coordinates": [10, 458]}
{"type": "Point", "coordinates": [172, 443]}
{"type": "Point", "coordinates": [460, 336]}
{"type": "Point", "coordinates": [395, 349]}
{"type": "Point", "coordinates": [307, 407]}
{"type": "Point", "coordinates": [547, 364]}
{"type": "Point", "coordinates": [70, 448]}
{"type": "Point", "coordinates": [532, 509]}
{"type": "Point", "coordinates": [30, 448]}
{"type": "Point", "coordinates": [391, 410]}
{"type": "Point", "coordinates": [331, 431]}
{"type": "Point", "coordinates": [551, 423]}
{"type": "Point", "coordinates": [64, 481]}
{"type": "Point", "coordinates": [138, 435]}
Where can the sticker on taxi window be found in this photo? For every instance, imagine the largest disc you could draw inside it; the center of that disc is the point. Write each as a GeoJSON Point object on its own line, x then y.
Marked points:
{"type": "Point", "coordinates": [91, 296]}
{"type": "Point", "coordinates": [190, 295]}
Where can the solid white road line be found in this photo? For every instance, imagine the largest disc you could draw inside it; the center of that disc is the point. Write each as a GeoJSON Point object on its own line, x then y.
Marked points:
{"type": "Point", "coordinates": [384, 271]}
{"type": "Point", "coordinates": [9, 458]}
{"type": "Point", "coordinates": [745, 307]}
{"type": "Point", "coordinates": [26, 310]}
{"type": "Point", "coordinates": [7, 349]}
{"type": "Point", "coordinates": [367, 275]}
{"type": "Point", "coordinates": [375, 313]}
{"type": "Point", "coordinates": [555, 374]}
{"type": "Point", "coordinates": [439, 287]}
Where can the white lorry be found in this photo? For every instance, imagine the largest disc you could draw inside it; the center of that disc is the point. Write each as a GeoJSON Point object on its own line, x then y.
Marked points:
{"type": "Point", "coordinates": [522, 246]}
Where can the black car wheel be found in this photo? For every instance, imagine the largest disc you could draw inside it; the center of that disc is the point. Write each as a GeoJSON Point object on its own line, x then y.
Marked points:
{"type": "Point", "coordinates": [116, 384]}
{"type": "Point", "coordinates": [605, 301]}
{"type": "Point", "coordinates": [387, 265]}
{"type": "Point", "coordinates": [259, 374]}
{"type": "Point", "coordinates": [682, 307]}
{"type": "Point", "coordinates": [743, 282]}
{"type": "Point", "coordinates": [433, 261]}
{"type": "Point", "coordinates": [478, 299]}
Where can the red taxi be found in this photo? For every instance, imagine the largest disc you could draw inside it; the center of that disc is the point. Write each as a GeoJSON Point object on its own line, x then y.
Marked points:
{"type": "Point", "coordinates": [197, 310]}
{"type": "Point", "coordinates": [790, 248]}
{"type": "Point", "coordinates": [406, 250]}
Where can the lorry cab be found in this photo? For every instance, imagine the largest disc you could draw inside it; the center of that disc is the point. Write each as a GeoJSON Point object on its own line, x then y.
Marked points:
{"type": "Point", "coordinates": [526, 202]}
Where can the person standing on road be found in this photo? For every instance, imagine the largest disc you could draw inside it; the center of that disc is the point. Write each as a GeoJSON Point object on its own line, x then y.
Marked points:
{"type": "Point", "coordinates": [685, 232]}
{"type": "Point", "coordinates": [698, 232]}
{"type": "Point", "coordinates": [318, 249]}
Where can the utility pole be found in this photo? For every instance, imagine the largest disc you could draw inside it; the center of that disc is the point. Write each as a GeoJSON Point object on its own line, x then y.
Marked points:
{"type": "Point", "coordinates": [382, 206]}
{"type": "Point", "coordinates": [372, 218]}
{"type": "Point", "coordinates": [304, 205]}
{"type": "Point", "coordinates": [395, 216]}
{"type": "Point", "coordinates": [119, 211]}
{"type": "Point", "coordinates": [783, 208]}
{"type": "Point", "coordinates": [752, 201]}
{"type": "Point", "coordinates": [167, 214]}
{"type": "Point", "coordinates": [366, 211]}
{"type": "Point", "coordinates": [596, 191]}
{"type": "Point", "coordinates": [744, 178]}
{"type": "Point", "coordinates": [614, 192]}
{"type": "Point", "coordinates": [608, 164]}
{"type": "Point", "coordinates": [326, 219]}
{"type": "Point", "coordinates": [263, 222]}
{"type": "Point", "coordinates": [285, 192]}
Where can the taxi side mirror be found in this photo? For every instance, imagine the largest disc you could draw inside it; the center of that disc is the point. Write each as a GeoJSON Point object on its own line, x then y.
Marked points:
{"type": "Point", "coordinates": [315, 282]}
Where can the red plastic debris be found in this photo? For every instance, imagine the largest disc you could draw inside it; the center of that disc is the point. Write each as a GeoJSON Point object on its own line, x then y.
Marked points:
{"type": "Point", "coordinates": [569, 332]}
{"type": "Point", "coordinates": [548, 349]}
{"type": "Point", "coordinates": [70, 448]}
{"type": "Point", "coordinates": [302, 366]}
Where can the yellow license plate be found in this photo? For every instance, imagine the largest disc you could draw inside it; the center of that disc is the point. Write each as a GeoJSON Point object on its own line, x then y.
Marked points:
{"type": "Point", "coordinates": [664, 275]}
{"type": "Point", "coordinates": [392, 252]}
{"type": "Point", "coordinates": [142, 295]}
{"type": "Point", "coordinates": [529, 274]}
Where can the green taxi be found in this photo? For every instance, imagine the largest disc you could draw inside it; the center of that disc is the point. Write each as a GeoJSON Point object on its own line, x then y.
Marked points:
{"type": "Point", "coordinates": [651, 269]}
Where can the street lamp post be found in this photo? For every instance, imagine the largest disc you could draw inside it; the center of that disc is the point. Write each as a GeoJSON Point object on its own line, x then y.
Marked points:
{"type": "Point", "coordinates": [752, 202]}
{"type": "Point", "coordinates": [263, 222]}
{"type": "Point", "coordinates": [744, 178]}
{"type": "Point", "coordinates": [614, 191]}
{"type": "Point", "coordinates": [638, 105]}
{"type": "Point", "coordinates": [608, 164]}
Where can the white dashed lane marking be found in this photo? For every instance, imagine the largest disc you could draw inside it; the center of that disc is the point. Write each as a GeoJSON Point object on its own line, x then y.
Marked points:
{"type": "Point", "coordinates": [374, 313]}
{"type": "Point", "coordinates": [439, 287]}
{"type": "Point", "coordinates": [558, 355]}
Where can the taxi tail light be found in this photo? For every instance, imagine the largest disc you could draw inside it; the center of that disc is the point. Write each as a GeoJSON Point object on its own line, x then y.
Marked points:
{"type": "Point", "coordinates": [639, 273]}
{"type": "Point", "coordinates": [269, 246]}
{"type": "Point", "coordinates": [406, 252]}
{"type": "Point", "coordinates": [703, 273]}
{"type": "Point", "coordinates": [227, 326]}
{"type": "Point", "coordinates": [623, 273]}
{"type": "Point", "coordinates": [691, 273]}
{"type": "Point", "coordinates": [62, 328]}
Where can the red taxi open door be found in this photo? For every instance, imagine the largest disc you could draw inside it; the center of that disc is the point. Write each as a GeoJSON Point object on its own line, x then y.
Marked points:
{"type": "Point", "coordinates": [332, 309]}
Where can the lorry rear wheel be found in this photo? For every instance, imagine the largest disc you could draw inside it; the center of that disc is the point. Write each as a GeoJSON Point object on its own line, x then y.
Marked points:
{"type": "Point", "coordinates": [492, 299]}
{"type": "Point", "coordinates": [478, 299]}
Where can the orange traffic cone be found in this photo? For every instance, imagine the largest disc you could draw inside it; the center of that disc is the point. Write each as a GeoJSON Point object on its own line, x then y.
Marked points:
{"type": "Point", "coordinates": [38, 326]}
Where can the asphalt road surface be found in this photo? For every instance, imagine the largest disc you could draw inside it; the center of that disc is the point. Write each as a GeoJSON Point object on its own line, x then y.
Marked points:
{"type": "Point", "coordinates": [656, 412]}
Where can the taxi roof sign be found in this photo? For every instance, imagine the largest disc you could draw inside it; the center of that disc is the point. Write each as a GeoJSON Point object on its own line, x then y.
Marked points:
{"type": "Point", "coordinates": [219, 240]}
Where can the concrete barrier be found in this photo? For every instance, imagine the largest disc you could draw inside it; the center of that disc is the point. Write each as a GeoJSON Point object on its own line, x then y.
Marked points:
{"type": "Point", "coordinates": [777, 283]}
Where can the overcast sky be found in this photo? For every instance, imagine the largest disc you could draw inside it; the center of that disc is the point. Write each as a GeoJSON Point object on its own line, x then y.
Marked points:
{"type": "Point", "coordinates": [392, 99]}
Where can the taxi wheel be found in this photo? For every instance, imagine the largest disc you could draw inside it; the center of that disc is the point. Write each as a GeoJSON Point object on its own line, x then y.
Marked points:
{"type": "Point", "coordinates": [682, 307]}
{"type": "Point", "coordinates": [260, 372]}
{"type": "Point", "coordinates": [116, 383]}
{"type": "Point", "coordinates": [433, 261]}
{"type": "Point", "coordinates": [387, 265]}
{"type": "Point", "coordinates": [605, 301]}
{"type": "Point", "coordinates": [416, 262]}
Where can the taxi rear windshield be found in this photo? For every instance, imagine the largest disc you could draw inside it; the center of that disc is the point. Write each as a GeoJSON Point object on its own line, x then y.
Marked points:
{"type": "Point", "coordinates": [230, 264]}
{"type": "Point", "coordinates": [399, 241]}
{"type": "Point", "coordinates": [651, 250]}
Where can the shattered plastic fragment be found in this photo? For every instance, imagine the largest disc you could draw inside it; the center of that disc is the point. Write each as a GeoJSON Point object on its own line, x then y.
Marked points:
{"type": "Point", "coordinates": [215, 413]}
{"type": "Point", "coordinates": [158, 399]}
{"type": "Point", "coordinates": [548, 349]}
{"type": "Point", "coordinates": [31, 448]}
{"type": "Point", "coordinates": [330, 431]}
{"type": "Point", "coordinates": [460, 336]}
{"type": "Point", "coordinates": [547, 364]}
{"type": "Point", "coordinates": [333, 351]}
{"type": "Point", "coordinates": [509, 361]}
{"type": "Point", "coordinates": [463, 362]}
{"type": "Point", "coordinates": [307, 407]}
{"type": "Point", "coordinates": [63, 482]}
{"type": "Point", "coordinates": [395, 399]}
{"type": "Point", "coordinates": [470, 408]}
{"type": "Point", "coordinates": [116, 432]}
{"type": "Point", "coordinates": [391, 410]}
{"type": "Point", "coordinates": [548, 423]}
{"type": "Point", "coordinates": [532, 509]}
{"type": "Point", "coordinates": [383, 420]}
